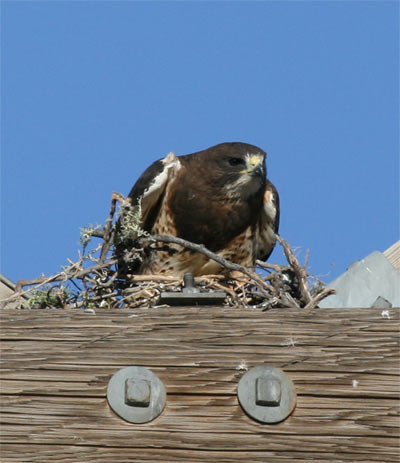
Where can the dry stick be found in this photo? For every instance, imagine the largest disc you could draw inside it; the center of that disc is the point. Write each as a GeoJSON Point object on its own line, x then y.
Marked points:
{"type": "Point", "coordinates": [288, 300]}
{"type": "Point", "coordinates": [298, 270]}
{"type": "Point", "coordinates": [268, 266]}
{"type": "Point", "coordinates": [306, 259]}
{"type": "Point", "coordinates": [94, 268]}
{"type": "Point", "coordinates": [140, 278]}
{"type": "Point", "coordinates": [37, 281]}
{"type": "Point", "coordinates": [230, 291]}
{"type": "Point", "coordinates": [322, 295]}
{"type": "Point", "coordinates": [261, 285]}
{"type": "Point", "coordinates": [107, 235]}
{"type": "Point", "coordinates": [171, 278]}
{"type": "Point", "coordinates": [301, 273]}
{"type": "Point", "coordinates": [65, 275]}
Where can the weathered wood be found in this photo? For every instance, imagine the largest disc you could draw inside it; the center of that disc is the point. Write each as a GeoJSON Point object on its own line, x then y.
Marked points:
{"type": "Point", "coordinates": [56, 366]}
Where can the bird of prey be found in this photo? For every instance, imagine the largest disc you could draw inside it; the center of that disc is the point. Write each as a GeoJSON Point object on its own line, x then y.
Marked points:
{"type": "Point", "coordinates": [219, 197]}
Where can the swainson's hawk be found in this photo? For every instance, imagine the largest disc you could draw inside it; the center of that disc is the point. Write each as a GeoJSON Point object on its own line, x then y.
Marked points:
{"type": "Point", "coordinates": [219, 197]}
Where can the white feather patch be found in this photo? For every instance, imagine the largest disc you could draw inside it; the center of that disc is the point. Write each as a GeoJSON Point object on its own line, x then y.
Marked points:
{"type": "Point", "coordinates": [243, 187]}
{"type": "Point", "coordinates": [265, 231]}
{"type": "Point", "coordinates": [269, 208]}
{"type": "Point", "coordinates": [159, 184]}
{"type": "Point", "coordinates": [170, 161]}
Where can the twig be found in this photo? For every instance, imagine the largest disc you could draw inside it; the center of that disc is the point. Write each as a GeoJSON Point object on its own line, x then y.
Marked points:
{"type": "Point", "coordinates": [318, 298]}
{"type": "Point", "coordinates": [107, 234]}
{"type": "Point", "coordinates": [41, 281]}
{"type": "Point", "coordinates": [299, 271]}
{"type": "Point", "coordinates": [62, 276]}
{"type": "Point", "coordinates": [267, 265]}
{"type": "Point", "coordinates": [306, 259]}
{"type": "Point", "coordinates": [171, 278]}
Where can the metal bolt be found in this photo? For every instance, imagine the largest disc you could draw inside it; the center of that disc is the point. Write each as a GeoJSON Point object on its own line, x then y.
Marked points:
{"type": "Point", "coordinates": [266, 394]}
{"type": "Point", "coordinates": [268, 391]}
{"type": "Point", "coordinates": [137, 392]}
{"type": "Point", "coordinates": [191, 295]}
{"type": "Point", "coordinates": [189, 285]}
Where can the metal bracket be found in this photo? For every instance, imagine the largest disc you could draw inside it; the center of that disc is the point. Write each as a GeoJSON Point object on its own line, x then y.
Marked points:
{"type": "Point", "coordinates": [136, 394]}
{"type": "Point", "coordinates": [191, 295]}
{"type": "Point", "coordinates": [266, 394]}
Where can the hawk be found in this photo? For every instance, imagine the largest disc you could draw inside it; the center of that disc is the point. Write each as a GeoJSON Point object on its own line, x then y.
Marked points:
{"type": "Point", "coordinates": [219, 197]}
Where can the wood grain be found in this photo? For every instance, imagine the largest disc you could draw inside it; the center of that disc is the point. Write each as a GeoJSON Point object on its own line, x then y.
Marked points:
{"type": "Point", "coordinates": [56, 366]}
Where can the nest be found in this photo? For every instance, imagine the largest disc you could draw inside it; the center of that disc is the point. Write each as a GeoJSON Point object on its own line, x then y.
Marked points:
{"type": "Point", "coordinates": [102, 276]}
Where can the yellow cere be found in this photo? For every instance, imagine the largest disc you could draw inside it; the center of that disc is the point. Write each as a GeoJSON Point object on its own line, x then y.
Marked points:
{"type": "Point", "coordinates": [252, 162]}
{"type": "Point", "coordinates": [255, 160]}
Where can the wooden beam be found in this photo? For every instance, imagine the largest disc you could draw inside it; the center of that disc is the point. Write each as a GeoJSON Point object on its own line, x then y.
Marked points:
{"type": "Point", "coordinates": [56, 366]}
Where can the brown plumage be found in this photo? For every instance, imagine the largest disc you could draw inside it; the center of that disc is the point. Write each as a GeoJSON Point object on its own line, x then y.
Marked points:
{"type": "Point", "coordinates": [219, 197]}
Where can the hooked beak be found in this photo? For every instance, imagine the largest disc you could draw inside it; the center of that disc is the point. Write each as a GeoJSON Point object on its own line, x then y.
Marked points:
{"type": "Point", "coordinates": [258, 170]}
{"type": "Point", "coordinates": [254, 165]}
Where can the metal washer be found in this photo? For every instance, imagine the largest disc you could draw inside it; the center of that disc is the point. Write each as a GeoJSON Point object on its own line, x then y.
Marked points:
{"type": "Point", "coordinates": [132, 414]}
{"type": "Point", "coordinates": [266, 414]}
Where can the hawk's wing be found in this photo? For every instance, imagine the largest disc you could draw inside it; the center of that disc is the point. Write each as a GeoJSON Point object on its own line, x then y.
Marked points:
{"type": "Point", "coordinates": [268, 223]}
{"type": "Point", "coordinates": [150, 188]}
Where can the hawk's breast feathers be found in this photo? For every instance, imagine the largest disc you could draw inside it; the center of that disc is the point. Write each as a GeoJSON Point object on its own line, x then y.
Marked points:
{"type": "Point", "coordinates": [219, 197]}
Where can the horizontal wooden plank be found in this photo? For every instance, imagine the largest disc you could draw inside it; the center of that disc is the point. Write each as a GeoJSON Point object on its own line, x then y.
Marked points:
{"type": "Point", "coordinates": [55, 367]}
{"type": "Point", "coordinates": [76, 453]}
{"type": "Point", "coordinates": [221, 410]}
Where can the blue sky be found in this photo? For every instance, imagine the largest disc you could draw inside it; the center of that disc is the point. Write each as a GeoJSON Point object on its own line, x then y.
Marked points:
{"type": "Point", "coordinates": [92, 92]}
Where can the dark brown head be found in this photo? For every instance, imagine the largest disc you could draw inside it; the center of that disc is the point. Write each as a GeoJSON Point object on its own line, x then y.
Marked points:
{"type": "Point", "coordinates": [237, 169]}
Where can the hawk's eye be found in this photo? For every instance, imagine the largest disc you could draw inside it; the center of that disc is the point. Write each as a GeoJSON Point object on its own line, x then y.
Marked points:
{"type": "Point", "coordinates": [235, 161]}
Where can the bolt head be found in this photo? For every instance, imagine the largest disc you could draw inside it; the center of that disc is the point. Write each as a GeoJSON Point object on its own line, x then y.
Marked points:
{"type": "Point", "coordinates": [268, 391]}
{"type": "Point", "coordinates": [137, 392]}
{"type": "Point", "coordinates": [267, 394]}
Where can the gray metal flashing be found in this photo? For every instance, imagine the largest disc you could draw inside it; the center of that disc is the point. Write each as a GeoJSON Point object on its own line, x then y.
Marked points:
{"type": "Point", "coordinates": [365, 281]}
{"type": "Point", "coordinates": [7, 287]}
{"type": "Point", "coordinates": [7, 282]}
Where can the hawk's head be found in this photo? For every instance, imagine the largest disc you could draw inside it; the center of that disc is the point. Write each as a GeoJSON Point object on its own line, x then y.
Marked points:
{"type": "Point", "coordinates": [237, 168]}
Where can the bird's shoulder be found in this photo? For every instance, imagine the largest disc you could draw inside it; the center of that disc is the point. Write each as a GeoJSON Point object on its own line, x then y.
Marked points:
{"type": "Point", "coordinates": [154, 178]}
